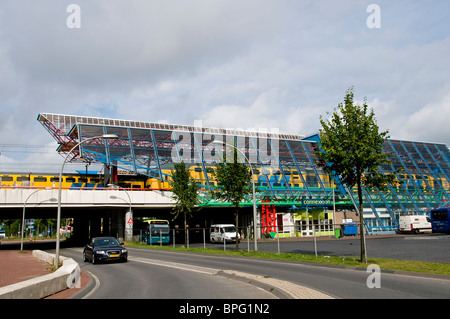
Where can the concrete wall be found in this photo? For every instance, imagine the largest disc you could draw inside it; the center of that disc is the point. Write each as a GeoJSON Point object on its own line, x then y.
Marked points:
{"type": "Point", "coordinates": [67, 276]}
{"type": "Point", "coordinates": [87, 207]}
{"type": "Point", "coordinates": [16, 197]}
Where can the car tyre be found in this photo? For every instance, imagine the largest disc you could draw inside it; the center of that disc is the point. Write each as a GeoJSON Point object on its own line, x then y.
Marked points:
{"type": "Point", "coordinates": [85, 259]}
{"type": "Point", "coordinates": [93, 259]}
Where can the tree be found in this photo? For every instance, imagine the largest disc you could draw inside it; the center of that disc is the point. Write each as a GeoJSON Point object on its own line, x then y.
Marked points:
{"type": "Point", "coordinates": [233, 181]}
{"type": "Point", "coordinates": [351, 147]}
{"type": "Point", "coordinates": [184, 190]}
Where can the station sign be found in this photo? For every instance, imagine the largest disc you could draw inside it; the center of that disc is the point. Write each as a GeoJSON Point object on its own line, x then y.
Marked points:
{"type": "Point", "coordinates": [317, 202]}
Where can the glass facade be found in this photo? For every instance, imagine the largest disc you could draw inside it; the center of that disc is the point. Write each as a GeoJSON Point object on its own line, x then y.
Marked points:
{"type": "Point", "coordinates": [284, 166]}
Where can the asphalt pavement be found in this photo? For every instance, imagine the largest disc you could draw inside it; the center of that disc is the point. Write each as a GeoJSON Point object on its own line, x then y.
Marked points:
{"type": "Point", "coordinates": [420, 247]}
{"type": "Point", "coordinates": [20, 266]}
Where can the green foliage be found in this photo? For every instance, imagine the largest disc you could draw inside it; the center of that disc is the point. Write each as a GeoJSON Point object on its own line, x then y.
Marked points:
{"type": "Point", "coordinates": [184, 191]}
{"type": "Point", "coordinates": [233, 180]}
{"type": "Point", "coordinates": [13, 227]}
{"type": "Point", "coordinates": [352, 145]}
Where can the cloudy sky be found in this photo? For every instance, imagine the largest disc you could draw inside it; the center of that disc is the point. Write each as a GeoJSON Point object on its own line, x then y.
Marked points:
{"type": "Point", "coordinates": [248, 64]}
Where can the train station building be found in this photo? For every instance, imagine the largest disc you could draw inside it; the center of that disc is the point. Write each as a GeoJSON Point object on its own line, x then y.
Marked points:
{"type": "Point", "coordinates": [292, 192]}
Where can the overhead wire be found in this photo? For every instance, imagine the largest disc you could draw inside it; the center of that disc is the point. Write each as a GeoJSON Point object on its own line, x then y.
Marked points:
{"type": "Point", "coordinates": [16, 165]}
{"type": "Point", "coordinates": [26, 148]}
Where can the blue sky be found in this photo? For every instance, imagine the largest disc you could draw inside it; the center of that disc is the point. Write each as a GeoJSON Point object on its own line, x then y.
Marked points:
{"type": "Point", "coordinates": [254, 64]}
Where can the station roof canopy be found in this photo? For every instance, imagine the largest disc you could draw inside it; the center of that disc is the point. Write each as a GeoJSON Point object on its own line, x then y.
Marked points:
{"type": "Point", "coordinates": [284, 165]}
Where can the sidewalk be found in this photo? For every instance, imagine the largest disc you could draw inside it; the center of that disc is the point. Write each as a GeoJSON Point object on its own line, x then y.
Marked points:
{"type": "Point", "coordinates": [19, 266]}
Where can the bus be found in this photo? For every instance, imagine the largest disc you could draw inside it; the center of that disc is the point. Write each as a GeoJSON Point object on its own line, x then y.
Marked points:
{"type": "Point", "coordinates": [158, 232]}
{"type": "Point", "coordinates": [440, 219]}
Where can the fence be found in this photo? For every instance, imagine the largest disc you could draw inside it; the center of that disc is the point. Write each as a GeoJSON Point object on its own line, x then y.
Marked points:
{"type": "Point", "coordinates": [200, 237]}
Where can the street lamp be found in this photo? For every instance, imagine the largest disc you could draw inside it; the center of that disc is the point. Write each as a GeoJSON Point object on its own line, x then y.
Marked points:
{"type": "Point", "coordinates": [127, 216]}
{"type": "Point", "coordinates": [23, 214]}
{"type": "Point", "coordinates": [58, 220]}
{"type": "Point", "coordinates": [253, 189]}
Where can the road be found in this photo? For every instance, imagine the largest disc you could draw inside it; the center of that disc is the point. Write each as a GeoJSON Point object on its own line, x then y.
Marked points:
{"type": "Point", "coordinates": [162, 274]}
{"type": "Point", "coordinates": [145, 278]}
{"type": "Point", "coordinates": [422, 247]}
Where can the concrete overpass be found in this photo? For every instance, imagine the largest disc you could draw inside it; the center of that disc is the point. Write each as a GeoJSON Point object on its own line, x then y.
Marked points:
{"type": "Point", "coordinates": [95, 212]}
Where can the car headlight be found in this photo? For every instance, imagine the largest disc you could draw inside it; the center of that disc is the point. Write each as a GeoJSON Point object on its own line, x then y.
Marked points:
{"type": "Point", "coordinates": [100, 252]}
{"type": "Point", "coordinates": [124, 251]}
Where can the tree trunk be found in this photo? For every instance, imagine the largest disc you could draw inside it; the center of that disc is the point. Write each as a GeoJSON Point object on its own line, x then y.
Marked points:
{"type": "Point", "coordinates": [185, 231]}
{"type": "Point", "coordinates": [237, 228]}
{"type": "Point", "coordinates": [361, 225]}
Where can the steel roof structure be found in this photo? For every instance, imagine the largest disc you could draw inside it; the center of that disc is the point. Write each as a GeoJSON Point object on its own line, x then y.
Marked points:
{"type": "Point", "coordinates": [284, 165]}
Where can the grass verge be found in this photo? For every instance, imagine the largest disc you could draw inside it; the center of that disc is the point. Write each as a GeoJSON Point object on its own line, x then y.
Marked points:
{"type": "Point", "coordinates": [350, 261]}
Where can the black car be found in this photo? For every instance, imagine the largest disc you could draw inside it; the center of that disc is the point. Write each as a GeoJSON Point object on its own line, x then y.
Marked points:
{"type": "Point", "coordinates": [104, 249]}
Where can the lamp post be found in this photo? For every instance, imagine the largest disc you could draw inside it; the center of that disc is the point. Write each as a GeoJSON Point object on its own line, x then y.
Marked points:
{"type": "Point", "coordinates": [128, 237]}
{"type": "Point", "coordinates": [58, 219]}
{"type": "Point", "coordinates": [253, 189]}
{"type": "Point", "coordinates": [23, 214]}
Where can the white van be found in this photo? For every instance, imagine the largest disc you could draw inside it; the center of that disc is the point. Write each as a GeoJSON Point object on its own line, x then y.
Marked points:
{"type": "Point", "coordinates": [414, 224]}
{"type": "Point", "coordinates": [221, 232]}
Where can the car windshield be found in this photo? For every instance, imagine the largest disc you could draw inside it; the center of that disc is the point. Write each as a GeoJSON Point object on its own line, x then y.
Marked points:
{"type": "Point", "coordinates": [230, 229]}
{"type": "Point", "coordinates": [106, 242]}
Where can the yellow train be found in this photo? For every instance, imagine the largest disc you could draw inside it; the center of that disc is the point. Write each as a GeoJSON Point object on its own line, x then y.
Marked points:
{"type": "Point", "coordinates": [78, 180]}
{"type": "Point", "coordinates": [133, 181]}
{"type": "Point", "coordinates": [129, 180]}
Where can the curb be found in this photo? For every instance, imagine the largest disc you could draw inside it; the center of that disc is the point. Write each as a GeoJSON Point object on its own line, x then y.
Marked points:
{"type": "Point", "coordinates": [67, 276]}
{"type": "Point", "coordinates": [279, 288]}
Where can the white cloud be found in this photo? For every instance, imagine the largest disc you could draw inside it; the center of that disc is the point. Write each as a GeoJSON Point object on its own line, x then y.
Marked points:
{"type": "Point", "coordinates": [243, 64]}
{"type": "Point", "coordinates": [260, 114]}
{"type": "Point", "coordinates": [430, 123]}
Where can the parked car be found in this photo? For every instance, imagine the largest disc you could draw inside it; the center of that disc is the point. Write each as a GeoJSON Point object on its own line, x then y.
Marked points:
{"type": "Point", "coordinates": [223, 232]}
{"type": "Point", "coordinates": [104, 249]}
